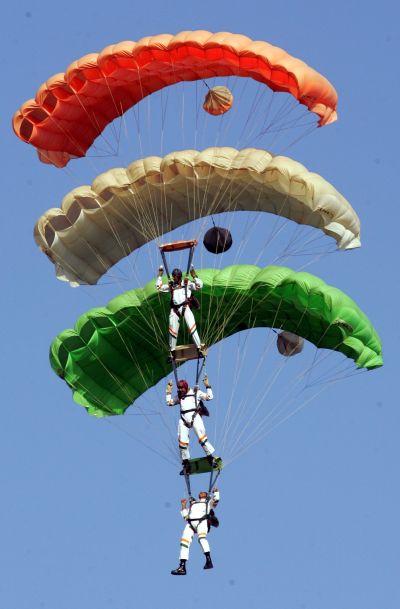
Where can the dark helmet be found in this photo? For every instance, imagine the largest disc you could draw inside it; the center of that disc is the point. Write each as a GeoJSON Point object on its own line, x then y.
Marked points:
{"type": "Point", "coordinates": [177, 275]}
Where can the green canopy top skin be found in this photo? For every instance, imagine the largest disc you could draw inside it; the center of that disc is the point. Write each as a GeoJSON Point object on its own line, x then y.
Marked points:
{"type": "Point", "coordinates": [116, 353]}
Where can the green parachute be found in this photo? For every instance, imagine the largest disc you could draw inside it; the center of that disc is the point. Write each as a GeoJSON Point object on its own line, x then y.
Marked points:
{"type": "Point", "coordinates": [116, 353]}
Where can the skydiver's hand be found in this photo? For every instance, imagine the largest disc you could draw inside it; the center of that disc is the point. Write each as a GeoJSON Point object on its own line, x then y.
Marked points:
{"type": "Point", "coordinates": [193, 272]}
{"type": "Point", "coordinates": [170, 283]}
{"type": "Point", "coordinates": [183, 503]}
{"type": "Point", "coordinates": [160, 271]}
{"type": "Point", "coordinates": [206, 382]}
{"type": "Point", "coordinates": [169, 387]}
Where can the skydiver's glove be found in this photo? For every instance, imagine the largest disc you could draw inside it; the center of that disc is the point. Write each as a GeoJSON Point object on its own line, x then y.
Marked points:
{"type": "Point", "coordinates": [193, 272]}
{"type": "Point", "coordinates": [160, 271]}
{"type": "Point", "coordinates": [169, 387]}
{"type": "Point", "coordinates": [183, 503]}
{"type": "Point", "coordinates": [206, 382]}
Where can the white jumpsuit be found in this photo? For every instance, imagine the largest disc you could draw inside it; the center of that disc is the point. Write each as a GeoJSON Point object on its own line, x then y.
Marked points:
{"type": "Point", "coordinates": [197, 523]}
{"type": "Point", "coordinates": [190, 418]}
{"type": "Point", "coordinates": [180, 294]}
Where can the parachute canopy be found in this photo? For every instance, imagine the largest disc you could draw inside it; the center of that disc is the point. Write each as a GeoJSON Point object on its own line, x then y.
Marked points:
{"type": "Point", "coordinates": [71, 109]}
{"type": "Point", "coordinates": [116, 353]}
{"type": "Point", "coordinates": [98, 225]}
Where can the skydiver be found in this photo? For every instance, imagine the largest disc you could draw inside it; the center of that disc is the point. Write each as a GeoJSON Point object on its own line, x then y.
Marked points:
{"type": "Point", "coordinates": [191, 416]}
{"type": "Point", "coordinates": [199, 518]}
{"type": "Point", "coordinates": [181, 300]}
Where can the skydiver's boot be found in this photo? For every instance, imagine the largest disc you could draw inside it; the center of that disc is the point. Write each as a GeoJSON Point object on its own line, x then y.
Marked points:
{"type": "Point", "coordinates": [210, 460]}
{"type": "Point", "coordinates": [186, 468]}
{"type": "Point", "coordinates": [171, 357]}
{"type": "Point", "coordinates": [202, 350]}
{"type": "Point", "coordinates": [208, 564]}
{"type": "Point", "coordinates": [215, 462]}
{"type": "Point", "coordinates": [181, 570]}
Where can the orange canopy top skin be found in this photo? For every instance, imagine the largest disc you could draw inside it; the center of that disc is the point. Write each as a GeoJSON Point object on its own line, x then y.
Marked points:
{"type": "Point", "coordinates": [71, 109]}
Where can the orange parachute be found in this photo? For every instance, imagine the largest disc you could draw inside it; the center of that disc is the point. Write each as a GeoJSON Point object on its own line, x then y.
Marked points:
{"type": "Point", "coordinates": [71, 109]}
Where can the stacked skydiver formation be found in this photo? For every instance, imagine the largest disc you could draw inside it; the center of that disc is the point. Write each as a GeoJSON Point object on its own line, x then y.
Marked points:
{"type": "Point", "coordinates": [98, 225]}
{"type": "Point", "coordinates": [199, 515]}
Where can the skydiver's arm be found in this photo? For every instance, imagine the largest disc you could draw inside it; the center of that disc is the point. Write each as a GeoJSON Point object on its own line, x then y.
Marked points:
{"type": "Point", "coordinates": [205, 396]}
{"type": "Point", "coordinates": [160, 286]}
{"type": "Point", "coordinates": [172, 401]}
{"type": "Point", "coordinates": [168, 397]}
{"type": "Point", "coordinates": [215, 498]}
{"type": "Point", "coordinates": [184, 510]}
{"type": "Point", "coordinates": [197, 283]}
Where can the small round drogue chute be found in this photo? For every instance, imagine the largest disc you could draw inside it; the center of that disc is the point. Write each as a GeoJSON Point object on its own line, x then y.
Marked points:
{"type": "Point", "coordinates": [217, 240]}
{"type": "Point", "coordinates": [289, 344]}
{"type": "Point", "coordinates": [218, 101]}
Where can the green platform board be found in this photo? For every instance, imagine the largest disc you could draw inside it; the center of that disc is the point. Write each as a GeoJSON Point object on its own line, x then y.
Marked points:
{"type": "Point", "coordinates": [202, 466]}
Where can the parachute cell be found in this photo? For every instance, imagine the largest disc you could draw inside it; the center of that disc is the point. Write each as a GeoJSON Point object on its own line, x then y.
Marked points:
{"type": "Point", "coordinates": [115, 353]}
{"type": "Point", "coordinates": [123, 209]}
{"type": "Point", "coordinates": [71, 109]}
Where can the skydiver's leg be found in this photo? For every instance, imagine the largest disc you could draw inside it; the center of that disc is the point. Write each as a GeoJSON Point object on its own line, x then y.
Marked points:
{"type": "Point", "coordinates": [191, 324]}
{"type": "Point", "coordinates": [202, 531]}
{"type": "Point", "coordinates": [186, 540]}
{"type": "Point", "coordinates": [183, 440]}
{"type": "Point", "coordinates": [173, 329]}
{"type": "Point", "coordinates": [200, 432]}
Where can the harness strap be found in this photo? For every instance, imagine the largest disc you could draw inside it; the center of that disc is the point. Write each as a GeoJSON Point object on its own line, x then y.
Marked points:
{"type": "Point", "coordinates": [213, 479]}
{"type": "Point", "coordinates": [186, 294]}
{"type": "Point", "coordinates": [199, 520]}
{"type": "Point", "coordinates": [194, 410]}
{"type": "Point", "coordinates": [190, 258]}
{"type": "Point", "coordinates": [176, 308]}
{"type": "Point", "coordinates": [187, 481]}
{"type": "Point", "coordinates": [164, 259]}
{"type": "Point", "coordinates": [186, 424]}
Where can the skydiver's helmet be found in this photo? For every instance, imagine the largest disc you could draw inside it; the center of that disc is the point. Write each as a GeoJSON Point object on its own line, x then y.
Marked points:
{"type": "Point", "coordinates": [177, 275]}
{"type": "Point", "coordinates": [203, 495]}
{"type": "Point", "coordinates": [183, 388]}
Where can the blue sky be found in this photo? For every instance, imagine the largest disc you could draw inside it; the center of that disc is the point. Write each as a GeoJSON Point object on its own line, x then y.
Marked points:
{"type": "Point", "coordinates": [309, 516]}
